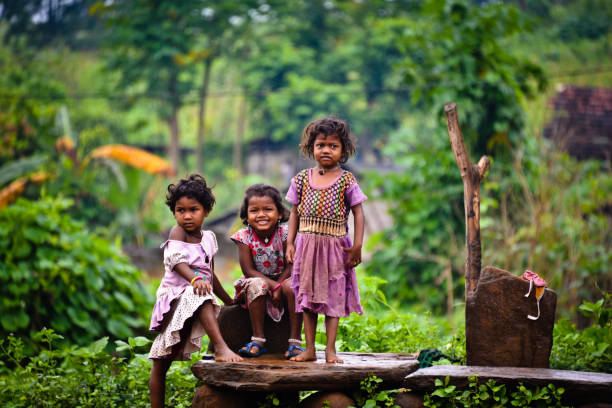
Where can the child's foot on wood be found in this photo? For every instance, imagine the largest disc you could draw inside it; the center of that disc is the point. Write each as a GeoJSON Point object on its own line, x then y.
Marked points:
{"type": "Point", "coordinates": [226, 355]}
{"type": "Point", "coordinates": [307, 355]}
{"type": "Point", "coordinates": [332, 358]}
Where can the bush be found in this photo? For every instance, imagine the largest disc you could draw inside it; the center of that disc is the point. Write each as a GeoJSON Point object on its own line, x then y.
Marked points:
{"type": "Point", "coordinates": [54, 273]}
{"type": "Point", "coordinates": [86, 376]}
{"type": "Point", "coordinates": [589, 349]}
{"type": "Point", "coordinates": [491, 394]}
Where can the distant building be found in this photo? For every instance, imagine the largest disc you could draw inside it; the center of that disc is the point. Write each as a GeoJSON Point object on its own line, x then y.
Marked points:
{"type": "Point", "coordinates": [582, 122]}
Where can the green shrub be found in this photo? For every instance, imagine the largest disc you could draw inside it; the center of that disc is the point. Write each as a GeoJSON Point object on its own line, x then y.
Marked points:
{"type": "Point", "coordinates": [491, 394]}
{"type": "Point", "coordinates": [54, 273]}
{"type": "Point", "coordinates": [589, 349]}
{"type": "Point", "coordinates": [382, 329]}
{"type": "Point", "coordinates": [86, 376]}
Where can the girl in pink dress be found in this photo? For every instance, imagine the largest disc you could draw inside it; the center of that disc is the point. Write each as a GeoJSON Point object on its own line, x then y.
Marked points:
{"type": "Point", "coordinates": [323, 277]}
{"type": "Point", "coordinates": [264, 288]}
{"type": "Point", "coordinates": [186, 309]}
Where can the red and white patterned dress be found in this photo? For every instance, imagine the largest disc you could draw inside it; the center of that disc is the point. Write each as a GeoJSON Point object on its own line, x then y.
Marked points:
{"type": "Point", "coordinates": [269, 260]}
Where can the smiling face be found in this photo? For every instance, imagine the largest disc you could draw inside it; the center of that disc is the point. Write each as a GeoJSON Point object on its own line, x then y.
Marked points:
{"type": "Point", "coordinates": [262, 214]}
{"type": "Point", "coordinates": [189, 214]}
{"type": "Point", "coordinates": [327, 150]}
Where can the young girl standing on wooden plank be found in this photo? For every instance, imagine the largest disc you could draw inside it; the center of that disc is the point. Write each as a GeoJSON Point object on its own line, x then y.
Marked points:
{"type": "Point", "coordinates": [323, 277]}
{"type": "Point", "coordinates": [186, 309]}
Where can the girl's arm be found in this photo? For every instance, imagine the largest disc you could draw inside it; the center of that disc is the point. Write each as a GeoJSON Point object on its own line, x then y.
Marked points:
{"type": "Point", "coordinates": [201, 286]}
{"type": "Point", "coordinates": [354, 258]}
{"type": "Point", "coordinates": [248, 267]}
{"type": "Point", "coordinates": [219, 290]}
{"type": "Point", "coordinates": [293, 227]}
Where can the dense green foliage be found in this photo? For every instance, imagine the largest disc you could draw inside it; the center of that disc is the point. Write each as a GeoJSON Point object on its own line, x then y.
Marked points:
{"type": "Point", "coordinates": [491, 394]}
{"type": "Point", "coordinates": [83, 376]}
{"type": "Point", "coordinates": [589, 349]}
{"type": "Point", "coordinates": [56, 274]}
{"type": "Point", "coordinates": [454, 53]}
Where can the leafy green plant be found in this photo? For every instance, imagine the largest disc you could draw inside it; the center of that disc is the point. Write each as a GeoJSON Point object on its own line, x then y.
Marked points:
{"type": "Point", "coordinates": [83, 376]}
{"type": "Point", "coordinates": [370, 397]}
{"type": "Point", "coordinates": [56, 274]}
{"type": "Point", "coordinates": [589, 349]}
{"type": "Point", "coordinates": [383, 329]}
{"type": "Point", "coordinates": [491, 394]}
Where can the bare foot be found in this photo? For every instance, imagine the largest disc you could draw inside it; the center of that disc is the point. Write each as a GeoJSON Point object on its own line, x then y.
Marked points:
{"type": "Point", "coordinates": [226, 355]}
{"type": "Point", "coordinates": [332, 358]}
{"type": "Point", "coordinates": [306, 355]}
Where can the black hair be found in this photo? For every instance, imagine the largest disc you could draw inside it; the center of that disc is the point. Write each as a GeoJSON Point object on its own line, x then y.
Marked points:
{"type": "Point", "coordinates": [194, 187]}
{"type": "Point", "coordinates": [328, 126]}
{"type": "Point", "coordinates": [263, 190]}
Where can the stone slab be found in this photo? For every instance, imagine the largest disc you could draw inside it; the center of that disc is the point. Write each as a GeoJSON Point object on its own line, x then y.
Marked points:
{"type": "Point", "coordinates": [271, 372]}
{"type": "Point", "coordinates": [580, 386]}
{"type": "Point", "coordinates": [497, 330]}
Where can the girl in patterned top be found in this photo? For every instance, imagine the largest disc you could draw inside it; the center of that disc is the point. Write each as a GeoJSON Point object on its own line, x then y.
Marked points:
{"type": "Point", "coordinates": [323, 277]}
{"type": "Point", "coordinates": [186, 308]}
{"type": "Point", "coordinates": [261, 251]}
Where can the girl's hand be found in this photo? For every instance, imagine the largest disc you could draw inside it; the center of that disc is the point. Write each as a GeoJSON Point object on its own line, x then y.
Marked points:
{"type": "Point", "coordinates": [202, 287]}
{"type": "Point", "coordinates": [354, 257]}
{"type": "Point", "coordinates": [289, 253]}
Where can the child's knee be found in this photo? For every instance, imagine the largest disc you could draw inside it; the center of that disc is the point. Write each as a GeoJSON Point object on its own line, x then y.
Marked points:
{"type": "Point", "coordinates": [257, 287]}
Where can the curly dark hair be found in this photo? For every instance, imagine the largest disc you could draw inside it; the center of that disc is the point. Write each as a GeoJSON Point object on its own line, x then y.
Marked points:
{"type": "Point", "coordinates": [194, 187]}
{"type": "Point", "coordinates": [327, 126]}
{"type": "Point", "coordinates": [263, 190]}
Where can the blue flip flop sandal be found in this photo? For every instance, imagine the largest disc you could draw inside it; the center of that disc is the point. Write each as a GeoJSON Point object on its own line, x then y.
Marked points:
{"type": "Point", "coordinates": [246, 350]}
{"type": "Point", "coordinates": [292, 351]}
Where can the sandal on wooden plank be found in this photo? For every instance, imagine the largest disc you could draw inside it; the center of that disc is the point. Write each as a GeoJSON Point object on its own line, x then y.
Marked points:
{"type": "Point", "coordinates": [246, 350]}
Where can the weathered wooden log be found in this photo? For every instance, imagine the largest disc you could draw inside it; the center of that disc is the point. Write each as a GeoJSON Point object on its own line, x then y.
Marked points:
{"type": "Point", "coordinates": [497, 330]}
{"type": "Point", "coordinates": [409, 399]}
{"type": "Point", "coordinates": [328, 399]}
{"type": "Point", "coordinates": [235, 327]}
{"type": "Point", "coordinates": [272, 373]}
{"type": "Point", "coordinates": [471, 175]}
{"type": "Point", "coordinates": [213, 397]}
{"type": "Point", "coordinates": [580, 387]}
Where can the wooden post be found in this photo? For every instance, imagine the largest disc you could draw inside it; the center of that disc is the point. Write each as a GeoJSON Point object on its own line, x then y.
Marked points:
{"type": "Point", "coordinates": [471, 175]}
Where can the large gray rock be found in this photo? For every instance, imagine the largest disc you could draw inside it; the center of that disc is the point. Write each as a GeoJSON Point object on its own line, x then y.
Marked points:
{"type": "Point", "coordinates": [498, 332]}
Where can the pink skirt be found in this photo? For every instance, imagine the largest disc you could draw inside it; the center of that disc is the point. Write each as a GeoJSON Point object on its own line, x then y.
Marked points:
{"type": "Point", "coordinates": [320, 279]}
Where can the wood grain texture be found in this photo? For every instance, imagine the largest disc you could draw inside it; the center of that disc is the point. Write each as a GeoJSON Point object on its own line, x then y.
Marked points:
{"type": "Point", "coordinates": [273, 373]}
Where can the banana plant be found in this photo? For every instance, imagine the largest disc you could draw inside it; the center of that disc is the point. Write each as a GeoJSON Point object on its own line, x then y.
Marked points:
{"type": "Point", "coordinates": [15, 176]}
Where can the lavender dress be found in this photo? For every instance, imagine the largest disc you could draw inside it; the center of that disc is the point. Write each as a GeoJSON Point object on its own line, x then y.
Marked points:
{"type": "Point", "coordinates": [320, 279]}
{"type": "Point", "coordinates": [176, 302]}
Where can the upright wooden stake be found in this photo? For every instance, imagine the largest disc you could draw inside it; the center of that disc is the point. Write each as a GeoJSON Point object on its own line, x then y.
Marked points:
{"type": "Point", "coordinates": [471, 175]}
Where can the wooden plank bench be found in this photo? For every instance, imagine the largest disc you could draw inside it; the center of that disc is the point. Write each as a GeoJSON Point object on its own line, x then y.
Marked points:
{"type": "Point", "coordinates": [581, 387]}
{"type": "Point", "coordinates": [271, 372]}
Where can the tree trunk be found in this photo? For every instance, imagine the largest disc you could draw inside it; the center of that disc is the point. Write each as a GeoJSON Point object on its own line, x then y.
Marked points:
{"type": "Point", "coordinates": [237, 153]}
{"type": "Point", "coordinates": [174, 147]}
{"type": "Point", "coordinates": [471, 175]}
{"type": "Point", "coordinates": [202, 114]}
